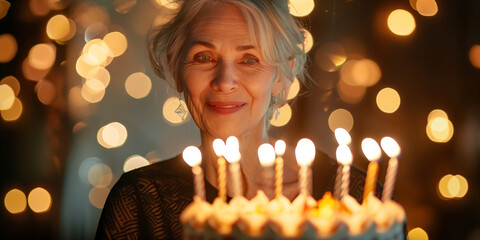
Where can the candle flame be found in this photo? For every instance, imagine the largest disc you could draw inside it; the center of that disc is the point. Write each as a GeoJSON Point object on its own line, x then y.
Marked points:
{"type": "Point", "coordinates": [305, 151]}
{"type": "Point", "coordinates": [192, 156]}
{"type": "Point", "coordinates": [280, 147]}
{"type": "Point", "coordinates": [344, 155]}
{"type": "Point", "coordinates": [232, 156]}
{"type": "Point", "coordinates": [342, 136]}
{"type": "Point", "coordinates": [371, 149]}
{"type": "Point", "coordinates": [219, 147]}
{"type": "Point", "coordinates": [266, 154]}
{"type": "Point", "coordinates": [232, 144]}
{"type": "Point", "coordinates": [390, 147]}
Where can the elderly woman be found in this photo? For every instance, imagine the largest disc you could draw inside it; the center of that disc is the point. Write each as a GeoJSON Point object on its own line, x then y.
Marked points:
{"type": "Point", "coordinates": [233, 60]}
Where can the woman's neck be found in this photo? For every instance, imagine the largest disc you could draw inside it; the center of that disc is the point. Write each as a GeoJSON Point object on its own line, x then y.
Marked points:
{"type": "Point", "coordinates": [250, 165]}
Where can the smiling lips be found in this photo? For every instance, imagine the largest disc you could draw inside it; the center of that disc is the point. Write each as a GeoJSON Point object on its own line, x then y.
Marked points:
{"type": "Point", "coordinates": [226, 107]}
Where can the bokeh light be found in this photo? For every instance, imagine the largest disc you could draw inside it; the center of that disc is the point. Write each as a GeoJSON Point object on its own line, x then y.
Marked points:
{"type": "Point", "coordinates": [8, 47]}
{"type": "Point", "coordinates": [124, 6]}
{"type": "Point", "coordinates": [31, 73]}
{"type": "Point", "coordinates": [7, 97]}
{"type": "Point", "coordinates": [42, 56]}
{"type": "Point", "coordinates": [417, 234]}
{"type": "Point", "coordinates": [117, 42]}
{"type": "Point", "coordinates": [363, 72]}
{"type": "Point", "coordinates": [300, 8]}
{"type": "Point", "coordinates": [134, 162]}
{"type": "Point", "coordinates": [474, 55]}
{"type": "Point", "coordinates": [426, 8]}
{"type": "Point", "coordinates": [95, 30]}
{"type": "Point", "coordinates": [112, 135]}
{"type": "Point", "coordinates": [138, 85]}
{"type": "Point", "coordinates": [175, 111]}
{"type": "Point", "coordinates": [401, 22]}
{"type": "Point", "coordinates": [330, 56]}
{"type": "Point", "coordinates": [340, 118]}
{"type": "Point", "coordinates": [350, 94]}
{"type": "Point", "coordinates": [13, 83]}
{"type": "Point", "coordinates": [284, 116]}
{"type": "Point", "coordinates": [15, 201]}
{"type": "Point", "coordinates": [82, 67]}
{"type": "Point", "coordinates": [14, 112]}
{"type": "Point", "coordinates": [388, 100]}
{"type": "Point", "coordinates": [307, 41]}
{"type": "Point", "coordinates": [39, 7]}
{"type": "Point", "coordinates": [85, 167]}
{"type": "Point", "coordinates": [436, 113]}
{"type": "Point", "coordinates": [39, 200]}
{"type": "Point", "coordinates": [100, 74]}
{"type": "Point", "coordinates": [58, 27]}
{"type": "Point", "coordinates": [96, 52]}
{"type": "Point", "coordinates": [439, 128]}
{"type": "Point", "coordinates": [293, 89]}
{"type": "Point", "coordinates": [97, 196]}
{"type": "Point", "coordinates": [100, 175]}
{"type": "Point", "coordinates": [4, 6]}
{"type": "Point", "coordinates": [92, 95]}
{"type": "Point", "coordinates": [451, 186]}
{"type": "Point", "coordinates": [46, 92]}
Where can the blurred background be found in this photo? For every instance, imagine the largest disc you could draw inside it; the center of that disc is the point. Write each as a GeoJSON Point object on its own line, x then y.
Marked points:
{"type": "Point", "coordinates": [80, 105]}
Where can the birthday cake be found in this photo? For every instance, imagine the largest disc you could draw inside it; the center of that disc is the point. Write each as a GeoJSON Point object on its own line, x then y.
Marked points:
{"type": "Point", "coordinates": [303, 218]}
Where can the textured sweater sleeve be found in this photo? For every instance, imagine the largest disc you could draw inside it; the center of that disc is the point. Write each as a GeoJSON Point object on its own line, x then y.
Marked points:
{"type": "Point", "coordinates": [119, 218]}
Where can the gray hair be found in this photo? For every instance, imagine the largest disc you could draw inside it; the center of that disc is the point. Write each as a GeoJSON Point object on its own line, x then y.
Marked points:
{"type": "Point", "coordinates": [275, 32]}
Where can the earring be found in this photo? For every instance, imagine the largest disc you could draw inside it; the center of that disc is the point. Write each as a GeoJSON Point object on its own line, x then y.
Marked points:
{"type": "Point", "coordinates": [276, 111]}
{"type": "Point", "coordinates": [181, 111]}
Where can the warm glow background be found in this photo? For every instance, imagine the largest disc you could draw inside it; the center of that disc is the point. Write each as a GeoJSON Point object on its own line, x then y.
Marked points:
{"type": "Point", "coordinates": [80, 105]}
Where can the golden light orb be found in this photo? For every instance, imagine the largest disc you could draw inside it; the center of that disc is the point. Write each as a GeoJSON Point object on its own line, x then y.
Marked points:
{"type": "Point", "coordinates": [388, 100]}
{"type": "Point", "coordinates": [427, 8]}
{"type": "Point", "coordinates": [134, 162]}
{"type": "Point", "coordinates": [301, 8]}
{"type": "Point", "coordinates": [117, 42]}
{"type": "Point", "coordinates": [4, 6]}
{"type": "Point", "coordinates": [58, 27]}
{"type": "Point", "coordinates": [46, 92]}
{"type": "Point", "coordinates": [8, 47]}
{"type": "Point", "coordinates": [417, 234]}
{"type": "Point", "coordinates": [340, 118]}
{"type": "Point", "coordinates": [39, 200]}
{"type": "Point", "coordinates": [97, 196]}
{"type": "Point", "coordinates": [112, 135]}
{"type": "Point", "coordinates": [13, 83]}
{"type": "Point", "coordinates": [14, 112]}
{"type": "Point", "coordinates": [138, 85]}
{"type": "Point", "coordinates": [443, 186]}
{"type": "Point", "coordinates": [440, 130]}
{"type": "Point", "coordinates": [15, 201]}
{"type": "Point", "coordinates": [463, 186]}
{"type": "Point", "coordinates": [92, 95]}
{"type": "Point", "coordinates": [7, 97]}
{"type": "Point", "coordinates": [350, 94]}
{"type": "Point", "coordinates": [100, 175]}
{"type": "Point", "coordinates": [307, 41]}
{"type": "Point", "coordinates": [42, 56]}
{"type": "Point", "coordinates": [401, 22]}
{"type": "Point", "coordinates": [474, 55]}
{"type": "Point", "coordinates": [294, 89]}
{"type": "Point", "coordinates": [99, 73]}
{"type": "Point", "coordinates": [436, 113]}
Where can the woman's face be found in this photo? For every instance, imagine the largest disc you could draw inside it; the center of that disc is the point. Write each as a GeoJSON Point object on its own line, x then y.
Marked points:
{"type": "Point", "coordinates": [227, 83]}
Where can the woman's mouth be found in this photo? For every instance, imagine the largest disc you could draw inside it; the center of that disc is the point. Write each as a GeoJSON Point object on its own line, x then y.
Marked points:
{"type": "Point", "coordinates": [226, 107]}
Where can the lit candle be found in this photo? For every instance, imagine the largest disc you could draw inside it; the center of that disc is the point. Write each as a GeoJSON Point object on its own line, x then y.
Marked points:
{"type": "Point", "coordinates": [391, 148]}
{"type": "Point", "coordinates": [193, 157]}
{"type": "Point", "coordinates": [266, 155]}
{"type": "Point", "coordinates": [232, 155]}
{"type": "Point", "coordinates": [219, 148]}
{"type": "Point", "coordinates": [343, 138]}
{"type": "Point", "coordinates": [344, 157]}
{"type": "Point", "coordinates": [372, 151]}
{"type": "Point", "coordinates": [280, 147]}
{"type": "Point", "coordinates": [305, 153]}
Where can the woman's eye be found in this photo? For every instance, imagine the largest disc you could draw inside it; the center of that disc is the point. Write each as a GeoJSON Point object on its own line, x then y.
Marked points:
{"type": "Point", "coordinates": [200, 58]}
{"type": "Point", "coordinates": [250, 60]}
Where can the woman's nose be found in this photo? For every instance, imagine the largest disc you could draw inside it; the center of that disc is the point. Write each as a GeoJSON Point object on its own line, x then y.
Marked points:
{"type": "Point", "coordinates": [226, 79]}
